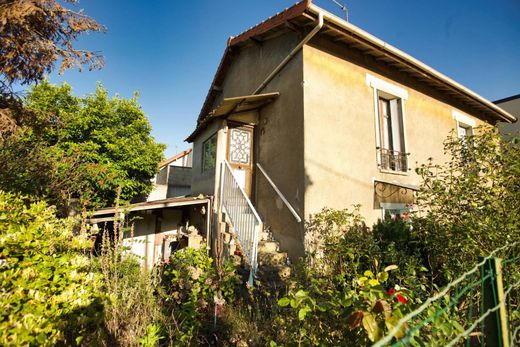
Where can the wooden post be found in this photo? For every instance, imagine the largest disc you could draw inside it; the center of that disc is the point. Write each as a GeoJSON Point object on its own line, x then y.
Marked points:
{"type": "Point", "coordinates": [496, 332]}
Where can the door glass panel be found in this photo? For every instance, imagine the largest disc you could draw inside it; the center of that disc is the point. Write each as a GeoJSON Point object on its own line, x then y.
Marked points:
{"type": "Point", "coordinates": [240, 146]}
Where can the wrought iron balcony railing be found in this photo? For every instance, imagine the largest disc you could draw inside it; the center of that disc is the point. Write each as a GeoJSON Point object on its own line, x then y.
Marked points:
{"type": "Point", "coordinates": [393, 160]}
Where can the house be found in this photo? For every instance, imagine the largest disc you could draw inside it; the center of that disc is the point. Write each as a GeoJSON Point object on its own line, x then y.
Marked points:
{"type": "Point", "coordinates": [511, 105]}
{"type": "Point", "coordinates": [307, 111]}
{"type": "Point", "coordinates": [173, 178]}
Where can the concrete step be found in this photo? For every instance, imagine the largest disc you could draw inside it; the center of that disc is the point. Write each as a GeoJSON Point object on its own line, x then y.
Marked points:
{"type": "Point", "coordinates": [268, 246]}
{"type": "Point", "coordinates": [272, 258]}
{"type": "Point", "coordinates": [273, 276]}
{"type": "Point", "coordinates": [264, 236]}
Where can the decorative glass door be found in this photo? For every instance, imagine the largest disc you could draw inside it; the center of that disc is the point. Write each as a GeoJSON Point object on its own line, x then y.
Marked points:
{"type": "Point", "coordinates": [240, 154]}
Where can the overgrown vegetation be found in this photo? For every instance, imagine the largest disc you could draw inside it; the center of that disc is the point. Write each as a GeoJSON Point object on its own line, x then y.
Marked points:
{"type": "Point", "coordinates": [470, 205]}
{"type": "Point", "coordinates": [49, 293]}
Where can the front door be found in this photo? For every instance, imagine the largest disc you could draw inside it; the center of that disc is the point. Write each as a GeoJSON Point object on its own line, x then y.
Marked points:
{"type": "Point", "coordinates": [240, 154]}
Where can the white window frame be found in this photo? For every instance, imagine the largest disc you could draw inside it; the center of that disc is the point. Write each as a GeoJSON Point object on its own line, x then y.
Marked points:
{"type": "Point", "coordinates": [378, 85]}
{"type": "Point", "coordinates": [463, 121]}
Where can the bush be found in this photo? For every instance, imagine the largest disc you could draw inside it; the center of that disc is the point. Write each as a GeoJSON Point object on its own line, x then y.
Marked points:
{"type": "Point", "coordinates": [470, 205]}
{"type": "Point", "coordinates": [357, 283]}
{"type": "Point", "coordinates": [192, 293]}
{"type": "Point", "coordinates": [49, 294]}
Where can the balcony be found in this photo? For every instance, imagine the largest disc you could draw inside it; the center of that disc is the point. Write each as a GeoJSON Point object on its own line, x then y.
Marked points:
{"type": "Point", "coordinates": [391, 160]}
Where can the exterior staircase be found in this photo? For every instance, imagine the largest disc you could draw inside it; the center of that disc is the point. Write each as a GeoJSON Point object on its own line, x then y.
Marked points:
{"type": "Point", "coordinates": [273, 264]}
{"type": "Point", "coordinates": [243, 235]}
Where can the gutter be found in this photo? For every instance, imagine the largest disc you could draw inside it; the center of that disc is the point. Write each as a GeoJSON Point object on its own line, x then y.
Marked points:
{"type": "Point", "coordinates": [425, 69]}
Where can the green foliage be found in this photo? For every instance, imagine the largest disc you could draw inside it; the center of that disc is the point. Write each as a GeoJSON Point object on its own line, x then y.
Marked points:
{"type": "Point", "coordinates": [131, 309]}
{"type": "Point", "coordinates": [338, 312]}
{"type": "Point", "coordinates": [341, 244]}
{"type": "Point", "coordinates": [49, 293]}
{"type": "Point", "coordinates": [80, 148]}
{"type": "Point", "coordinates": [191, 287]}
{"type": "Point", "coordinates": [471, 204]}
{"type": "Point", "coordinates": [357, 283]}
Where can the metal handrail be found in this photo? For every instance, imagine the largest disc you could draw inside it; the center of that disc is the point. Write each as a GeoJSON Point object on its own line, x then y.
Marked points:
{"type": "Point", "coordinates": [289, 206]}
{"type": "Point", "coordinates": [244, 218]}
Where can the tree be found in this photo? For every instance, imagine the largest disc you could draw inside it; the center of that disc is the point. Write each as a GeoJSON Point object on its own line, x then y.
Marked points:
{"type": "Point", "coordinates": [80, 148]}
{"type": "Point", "coordinates": [33, 36]}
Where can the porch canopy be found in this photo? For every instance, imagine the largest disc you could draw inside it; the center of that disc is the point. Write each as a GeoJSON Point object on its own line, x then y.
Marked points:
{"type": "Point", "coordinates": [107, 214]}
{"type": "Point", "coordinates": [393, 192]}
{"type": "Point", "coordinates": [235, 104]}
{"type": "Point", "coordinates": [243, 103]}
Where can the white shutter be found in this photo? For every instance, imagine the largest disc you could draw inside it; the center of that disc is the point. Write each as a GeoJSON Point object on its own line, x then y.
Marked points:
{"type": "Point", "coordinates": [397, 136]}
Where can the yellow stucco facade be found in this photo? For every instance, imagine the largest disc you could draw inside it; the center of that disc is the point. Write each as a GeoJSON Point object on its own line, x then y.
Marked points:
{"type": "Point", "coordinates": [340, 132]}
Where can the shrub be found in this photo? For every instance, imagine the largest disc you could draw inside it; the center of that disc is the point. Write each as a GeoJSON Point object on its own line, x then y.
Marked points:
{"type": "Point", "coordinates": [471, 204]}
{"type": "Point", "coordinates": [356, 284]}
{"type": "Point", "coordinates": [193, 293]}
{"type": "Point", "coordinates": [49, 294]}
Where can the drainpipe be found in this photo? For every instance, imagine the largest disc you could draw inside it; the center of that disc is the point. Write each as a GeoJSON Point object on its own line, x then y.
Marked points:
{"type": "Point", "coordinates": [291, 55]}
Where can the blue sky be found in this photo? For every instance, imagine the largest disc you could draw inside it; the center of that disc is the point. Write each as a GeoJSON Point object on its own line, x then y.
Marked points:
{"type": "Point", "coordinates": [168, 51]}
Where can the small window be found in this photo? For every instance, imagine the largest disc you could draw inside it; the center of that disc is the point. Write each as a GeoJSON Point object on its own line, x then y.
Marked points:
{"type": "Point", "coordinates": [465, 124]}
{"type": "Point", "coordinates": [209, 153]}
{"type": "Point", "coordinates": [395, 211]}
{"type": "Point", "coordinates": [464, 130]}
{"type": "Point", "coordinates": [392, 151]}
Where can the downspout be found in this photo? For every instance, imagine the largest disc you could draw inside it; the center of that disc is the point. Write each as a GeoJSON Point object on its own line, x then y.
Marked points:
{"type": "Point", "coordinates": [291, 55]}
{"type": "Point", "coordinates": [295, 50]}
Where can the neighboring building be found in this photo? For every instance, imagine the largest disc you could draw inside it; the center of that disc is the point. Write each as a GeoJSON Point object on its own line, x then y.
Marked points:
{"type": "Point", "coordinates": [511, 105]}
{"type": "Point", "coordinates": [167, 220]}
{"type": "Point", "coordinates": [158, 228]}
{"type": "Point", "coordinates": [308, 111]}
{"type": "Point", "coordinates": [173, 178]}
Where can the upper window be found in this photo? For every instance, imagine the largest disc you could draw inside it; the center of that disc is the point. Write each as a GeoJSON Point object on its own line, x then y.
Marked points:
{"type": "Point", "coordinates": [390, 134]}
{"type": "Point", "coordinates": [464, 130]}
{"type": "Point", "coordinates": [465, 124]}
{"type": "Point", "coordinates": [209, 153]}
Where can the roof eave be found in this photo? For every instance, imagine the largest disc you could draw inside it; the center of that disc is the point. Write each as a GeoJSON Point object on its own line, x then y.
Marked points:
{"type": "Point", "coordinates": [499, 113]}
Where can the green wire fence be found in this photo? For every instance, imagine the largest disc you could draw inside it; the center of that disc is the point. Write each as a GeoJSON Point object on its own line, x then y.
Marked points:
{"type": "Point", "coordinates": [480, 308]}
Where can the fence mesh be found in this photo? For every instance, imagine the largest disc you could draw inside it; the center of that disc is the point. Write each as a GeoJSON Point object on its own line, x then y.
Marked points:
{"type": "Point", "coordinates": [457, 315]}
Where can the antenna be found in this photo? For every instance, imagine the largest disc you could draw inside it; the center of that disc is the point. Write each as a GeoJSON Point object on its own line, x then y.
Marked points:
{"type": "Point", "coordinates": [343, 8]}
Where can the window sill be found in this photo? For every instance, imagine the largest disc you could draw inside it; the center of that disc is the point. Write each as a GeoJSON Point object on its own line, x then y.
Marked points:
{"type": "Point", "coordinates": [400, 173]}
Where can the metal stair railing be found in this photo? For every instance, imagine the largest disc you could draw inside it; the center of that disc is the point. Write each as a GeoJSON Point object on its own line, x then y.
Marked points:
{"type": "Point", "coordinates": [277, 191]}
{"type": "Point", "coordinates": [244, 219]}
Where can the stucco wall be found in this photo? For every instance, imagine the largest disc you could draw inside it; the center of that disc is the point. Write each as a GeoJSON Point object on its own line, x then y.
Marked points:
{"type": "Point", "coordinates": [206, 182]}
{"type": "Point", "coordinates": [278, 135]}
{"type": "Point", "coordinates": [340, 128]}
